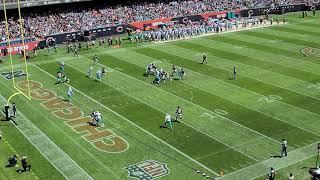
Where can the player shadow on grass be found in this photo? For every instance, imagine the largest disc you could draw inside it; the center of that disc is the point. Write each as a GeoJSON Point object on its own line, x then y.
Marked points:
{"type": "Point", "coordinates": [20, 170]}
{"type": "Point", "coordinates": [276, 156]}
{"type": "Point", "coordinates": [305, 167]}
{"type": "Point", "coordinates": [166, 127]}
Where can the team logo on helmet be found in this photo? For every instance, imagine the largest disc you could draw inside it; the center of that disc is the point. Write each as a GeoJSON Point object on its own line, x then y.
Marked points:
{"type": "Point", "coordinates": [146, 170]}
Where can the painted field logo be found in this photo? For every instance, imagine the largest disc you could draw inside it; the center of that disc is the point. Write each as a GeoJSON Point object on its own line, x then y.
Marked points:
{"type": "Point", "coordinates": [9, 75]}
{"type": "Point", "coordinates": [149, 169]}
{"type": "Point", "coordinates": [103, 139]}
{"type": "Point", "coordinates": [310, 51]}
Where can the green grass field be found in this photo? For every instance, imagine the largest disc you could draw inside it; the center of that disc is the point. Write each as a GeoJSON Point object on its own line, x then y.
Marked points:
{"type": "Point", "coordinates": [229, 126]}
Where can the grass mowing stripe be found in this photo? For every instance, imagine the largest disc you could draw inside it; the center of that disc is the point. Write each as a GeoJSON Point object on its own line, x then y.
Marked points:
{"type": "Point", "coordinates": [127, 67]}
{"type": "Point", "coordinates": [35, 63]}
{"type": "Point", "coordinates": [290, 84]}
{"type": "Point", "coordinates": [130, 57]}
{"type": "Point", "coordinates": [218, 153]}
{"type": "Point", "coordinates": [217, 54]}
{"type": "Point", "coordinates": [43, 125]}
{"type": "Point", "coordinates": [299, 29]}
{"type": "Point", "coordinates": [266, 59]}
{"type": "Point", "coordinates": [281, 45]}
{"type": "Point", "coordinates": [131, 130]}
{"type": "Point", "coordinates": [225, 90]}
{"type": "Point", "coordinates": [196, 140]}
{"type": "Point", "coordinates": [183, 60]}
{"type": "Point", "coordinates": [308, 24]}
{"type": "Point", "coordinates": [181, 89]}
{"type": "Point", "coordinates": [273, 35]}
{"type": "Point", "coordinates": [265, 82]}
{"type": "Point", "coordinates": [113, 126]}
{"type": "Point", "coordinates": [259, 169]}
{"type": "Point", "coordinates": [40, 141]}
{"type": "Point", "coordinates": [11, 135]}
{"type": "Point", "coordinates": [187, 124]}
{"type": "Point", "coordinates": [299, 169]}
{"type": "Point", "coordinates": [196, 129]}
{"type": "Point", "coordinates": [291, 35]}
{"type": "Point", "coordinates": [265, 48]}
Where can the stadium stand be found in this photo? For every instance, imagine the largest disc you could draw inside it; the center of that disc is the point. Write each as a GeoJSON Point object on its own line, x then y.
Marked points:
{"type": "Point", "coordinates": [74, 18]}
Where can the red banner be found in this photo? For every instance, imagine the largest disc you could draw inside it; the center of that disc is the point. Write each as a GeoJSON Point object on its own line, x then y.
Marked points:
{"type": "Point", "coordinates": [154, 23]}
{"type": "Point", "coordinates": [217, 14]}
{"type": "Point", "coordinates": [151, 23]}
{"type": "Point", "coordinates": [16, 48]}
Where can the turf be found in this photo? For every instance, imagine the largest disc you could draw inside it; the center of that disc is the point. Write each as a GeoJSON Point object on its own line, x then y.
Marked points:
{"type": "Point", "coordinates": [233, 126]}
{"type": "Point", "coordinates": [13, 142]}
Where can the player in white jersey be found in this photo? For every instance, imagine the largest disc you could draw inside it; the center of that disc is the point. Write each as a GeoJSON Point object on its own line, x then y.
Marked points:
{"type": "Point", "coordinates": [95, 59]}
{"type": "Point", "coordinates": [98, 118]}
{"type": "Point", "coordinates": [167, 121]}
{"type": "Point", "coordinates": [69, 93]}
{"type": "Point", "coordinates": [90, 71]}
{"type": "Point", "coordinates": [178, 114]}
{"type": "Point", "coordinates": [99, 75]}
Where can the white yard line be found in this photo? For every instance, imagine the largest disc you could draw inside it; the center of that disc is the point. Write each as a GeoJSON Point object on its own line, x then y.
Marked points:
{"type": "Point", "coordinates": [205, 108]}
{"type": "Point", "coordinates": [48, 148]}
{"type": "Point", "coordinates": [231, 147]}
{"type": "Point", "coordinates": [260, 169]}
{"type": "Point", "coordinates": [36, 63]}
{"type": "Point", "coordinates": [277, 55]}
{"type": "Point", "coordinates": [299, 127]}
{"type": "Point", "coordinates": [288, 89]}
{"type": "Point", "coordinates": [73, 140]}
{"type": "Point", "coordinates": [200, 164]}
{"type": "Point", "coordinates": [261, 70]}
{"type": "Point", "coordinates": [239, 103]}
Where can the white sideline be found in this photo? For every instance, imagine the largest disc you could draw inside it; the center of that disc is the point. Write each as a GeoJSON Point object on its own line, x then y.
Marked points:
{"type": "Point", "coordinates": [260, 169]}
{"type": "Point", "coordinates": [48, 148]}
{"type": "Point", "coordinates": [200, 164]}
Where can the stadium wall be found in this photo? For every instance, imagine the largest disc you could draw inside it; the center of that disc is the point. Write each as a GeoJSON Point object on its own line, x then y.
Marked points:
{"type": "Point", "coordinates": [274, 10]}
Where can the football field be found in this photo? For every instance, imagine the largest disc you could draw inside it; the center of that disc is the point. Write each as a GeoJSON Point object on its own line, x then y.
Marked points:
{"type": "Point", "coordinates": [230, 127]}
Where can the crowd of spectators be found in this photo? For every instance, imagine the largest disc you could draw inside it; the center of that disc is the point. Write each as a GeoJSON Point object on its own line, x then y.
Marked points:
{"type": "Point", "coordinates": [46, 23]}
{"type": "Point", "coordinates": [12, 1]}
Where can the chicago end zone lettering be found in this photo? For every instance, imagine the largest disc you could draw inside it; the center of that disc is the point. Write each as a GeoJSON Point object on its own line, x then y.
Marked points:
{"type": "Point", "coordinates": [104, 140]}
